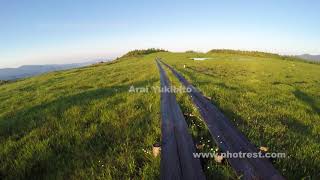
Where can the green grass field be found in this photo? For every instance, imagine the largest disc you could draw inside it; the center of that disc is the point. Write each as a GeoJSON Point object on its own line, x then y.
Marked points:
{"type": "Point", "coordinates": [81, 124]}
{"type": "Point", "coordinates": [85, 124]}
{"type": "Point", "coordinates": [274, 102]}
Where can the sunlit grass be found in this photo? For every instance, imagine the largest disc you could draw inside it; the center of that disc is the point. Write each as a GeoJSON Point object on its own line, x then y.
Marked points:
{"type": "Point", "coordinates": [81, 123]}
{"type": "Point", "coordinates": [85, 124]}
{"type": "Point", "coordinates": [274, 102]}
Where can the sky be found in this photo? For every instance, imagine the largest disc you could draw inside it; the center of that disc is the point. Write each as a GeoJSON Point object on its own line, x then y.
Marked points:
{"type": "Point", "coordinates": [69, 31]}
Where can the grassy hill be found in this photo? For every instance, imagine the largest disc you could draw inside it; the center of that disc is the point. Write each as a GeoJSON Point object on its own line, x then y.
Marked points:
{"type": "Point", "coordinates": [81, 123]}
{"type": "Point", "coordinates": [275, 102]}
{"type": "Point", "coordinates": [84, 123]}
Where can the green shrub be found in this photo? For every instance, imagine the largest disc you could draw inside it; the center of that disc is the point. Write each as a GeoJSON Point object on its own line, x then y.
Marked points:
{"type": "Point", "coordinates": [141, 52]}
{"type": "Point", "coordinates": [249, 53]}
{"type": "Point", "coordinates": [190, 51]}
{"type": "Point", "coordinates": [3, 82]}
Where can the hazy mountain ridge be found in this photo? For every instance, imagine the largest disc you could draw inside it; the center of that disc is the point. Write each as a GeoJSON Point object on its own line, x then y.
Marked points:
{"type": "Point", "coordinates": [309, 57]}
{"type": "Point", "coordinates": [32, 70]}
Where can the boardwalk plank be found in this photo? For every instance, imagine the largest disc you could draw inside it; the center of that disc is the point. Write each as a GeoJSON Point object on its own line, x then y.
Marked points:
{"type": "Point", "coordinates": [177, 161]}
{"type": "Point", "coordinates": [229, 138]}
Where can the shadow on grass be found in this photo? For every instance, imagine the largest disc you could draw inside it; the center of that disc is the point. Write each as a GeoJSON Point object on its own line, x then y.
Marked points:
{"type": "Point", "coordinates": [22, 122]}
{"type": "Point", "coordinates": [190, 75]}
{"type": "Point", "coordinates": [223, 85]}
{"type": "Point", "coordinates": [299, 128]}
{"type": "Point", "coordinates": [205, 71]}
{"type": "Point", "coordinates": [219, 84]}
{"type": "Point", "coordinates": [67, 150]}
{"type": "Point", "coordinates": [302, 96]}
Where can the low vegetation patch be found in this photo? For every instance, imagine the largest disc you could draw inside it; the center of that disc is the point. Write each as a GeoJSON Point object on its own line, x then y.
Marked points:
{"type": "Point", "coordinates": [3, 82]}
{"type": "Point", "coordinates": [136, 53]}
{"type": "Point", "coordinates": [239, 52]}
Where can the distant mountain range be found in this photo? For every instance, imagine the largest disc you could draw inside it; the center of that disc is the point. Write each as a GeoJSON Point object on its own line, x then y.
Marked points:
{"type": "Point", "coordinates": [32, 70]}
{"type": "Point", "coordinates": [309, 57]}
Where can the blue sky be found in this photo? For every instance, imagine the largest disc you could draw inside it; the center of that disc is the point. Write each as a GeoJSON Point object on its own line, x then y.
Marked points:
{"type": "Point", "coordinates": [68, 31]}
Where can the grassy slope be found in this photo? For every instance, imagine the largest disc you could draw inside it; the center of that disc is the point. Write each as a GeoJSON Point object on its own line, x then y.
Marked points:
{"type": "Point", "coordinates": [81, 123]}
{"type": "Point", "coordinates": [276, 103]}
{"type": "Point", "coordinates": [84, 123]}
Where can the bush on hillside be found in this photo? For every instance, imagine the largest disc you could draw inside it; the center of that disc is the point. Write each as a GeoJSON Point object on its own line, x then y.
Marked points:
{"type": "Point", "coordinates": [143, 52]}
{"type": "Point", "coordinates": [190, 51]}
{"type": "Point", "coordinates": [249, 53]}
{"type": "Point", "coordinates": [3, 82]}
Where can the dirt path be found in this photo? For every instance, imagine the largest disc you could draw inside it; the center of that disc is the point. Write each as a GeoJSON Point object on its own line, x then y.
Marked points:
{"type": "Point", "coordinates": [229, 138]}
{"type": "Point", "coordinates": [177, 161]}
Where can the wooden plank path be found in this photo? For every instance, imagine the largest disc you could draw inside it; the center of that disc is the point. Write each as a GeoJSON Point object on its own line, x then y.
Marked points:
{"type": "Point", "coordinates": [177, 161]}
{"type": "Point", "coordinates": [229, 138]}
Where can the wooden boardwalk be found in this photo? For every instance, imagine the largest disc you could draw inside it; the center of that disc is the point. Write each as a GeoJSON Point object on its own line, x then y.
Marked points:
{"type": "Point", "coordinates": [229, 138]}
{"type": "Point", "coordinates": [177, 161]}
